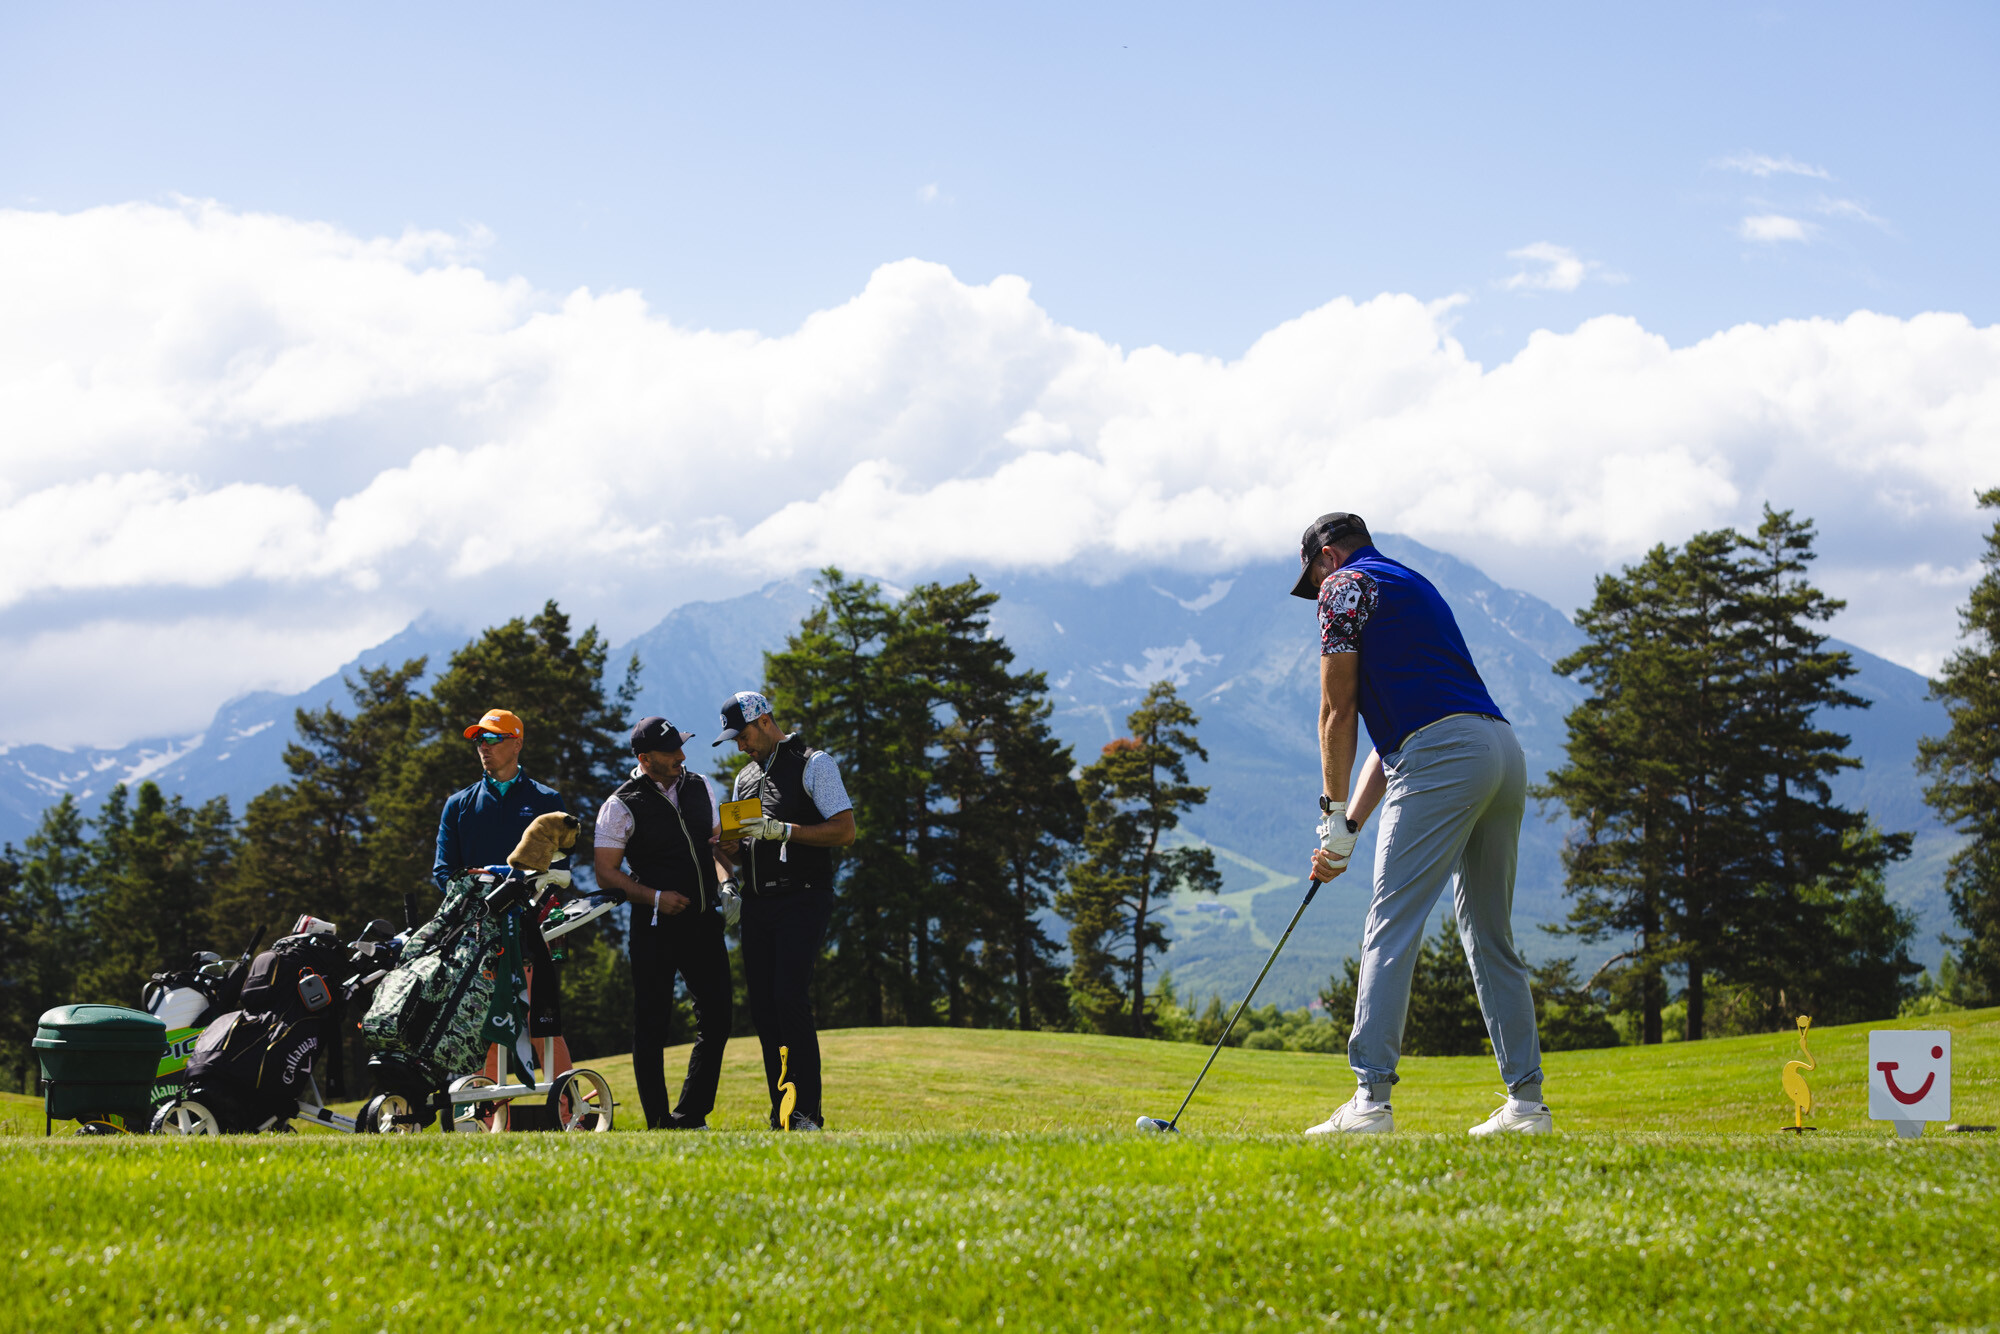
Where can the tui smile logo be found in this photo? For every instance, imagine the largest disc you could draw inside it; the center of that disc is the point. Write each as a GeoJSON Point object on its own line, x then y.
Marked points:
{"type": "Point", "coordinates": [1909, 1078]}
{"type": "Point", "coordinates": [1889, 1068]}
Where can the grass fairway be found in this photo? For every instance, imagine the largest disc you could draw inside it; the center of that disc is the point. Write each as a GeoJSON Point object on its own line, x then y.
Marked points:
{"type": "Point", "coordinates": [994, 1181]}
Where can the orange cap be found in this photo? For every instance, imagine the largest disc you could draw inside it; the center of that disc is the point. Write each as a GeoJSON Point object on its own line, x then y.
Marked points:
{"type": "Point", "coordinates": [498, 721]}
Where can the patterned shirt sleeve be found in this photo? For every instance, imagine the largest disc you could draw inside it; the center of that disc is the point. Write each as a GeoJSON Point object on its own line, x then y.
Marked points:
{"type": "Point", "coordinates": [1346, 600]}
{"type": "Point", "coordinates": [823, 785]}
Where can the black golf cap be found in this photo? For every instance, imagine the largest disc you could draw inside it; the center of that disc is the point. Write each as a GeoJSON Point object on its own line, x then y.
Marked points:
{"type": "Point", "coordinates": [1323, 532]}
{"type": "Point", "coordinates": [658, 734]}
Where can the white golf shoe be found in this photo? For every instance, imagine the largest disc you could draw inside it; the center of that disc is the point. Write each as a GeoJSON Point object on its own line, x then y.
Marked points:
{"type": "Point", "coordinates": [1357, 1116]}
{"type": "Point", "coordinates": [1514, 1117]}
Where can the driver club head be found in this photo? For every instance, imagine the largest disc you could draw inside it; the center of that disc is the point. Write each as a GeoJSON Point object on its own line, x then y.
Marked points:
{"type": "Point", "coordinates": [1157, 1126]}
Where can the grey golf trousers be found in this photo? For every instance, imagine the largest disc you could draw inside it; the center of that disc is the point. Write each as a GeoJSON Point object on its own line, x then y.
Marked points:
{"type": "Point", "coordinates": [1452, 812]}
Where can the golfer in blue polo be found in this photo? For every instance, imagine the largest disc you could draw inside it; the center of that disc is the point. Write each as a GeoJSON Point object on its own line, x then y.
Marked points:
{"type": "Point", "coordinates": [1449, 776]}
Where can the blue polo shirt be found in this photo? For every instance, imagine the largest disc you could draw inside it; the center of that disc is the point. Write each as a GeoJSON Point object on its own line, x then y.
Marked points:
{"type": "Point", "coordinates": [1415, 668]}
{"type": "Point", "coordinates": [481, 824]}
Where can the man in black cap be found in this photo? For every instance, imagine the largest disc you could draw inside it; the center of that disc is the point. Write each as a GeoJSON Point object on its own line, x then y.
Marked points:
{"type": "Point", "coordinates": [789, 880]}
{"type": "Point", "coordinates": [663, 823]}
{"type": "Point", "coordinates": [1452, 784]}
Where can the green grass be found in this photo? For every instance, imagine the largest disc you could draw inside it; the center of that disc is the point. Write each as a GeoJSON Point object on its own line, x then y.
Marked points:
{"type": "Point", "coordinates": [995, 1182]}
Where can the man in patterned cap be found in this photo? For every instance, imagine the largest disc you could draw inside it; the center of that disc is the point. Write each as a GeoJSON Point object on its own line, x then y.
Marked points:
{"type": "Point", "coordinates": [786, 861]}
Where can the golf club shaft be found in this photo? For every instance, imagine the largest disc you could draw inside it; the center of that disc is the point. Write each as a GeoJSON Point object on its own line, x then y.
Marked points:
{"type": "Point", "coordinates": [1311, 889]}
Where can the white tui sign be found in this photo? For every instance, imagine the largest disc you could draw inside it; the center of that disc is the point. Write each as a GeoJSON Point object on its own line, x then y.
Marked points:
{"type": "Point", "coordinates": [1909, 1077]}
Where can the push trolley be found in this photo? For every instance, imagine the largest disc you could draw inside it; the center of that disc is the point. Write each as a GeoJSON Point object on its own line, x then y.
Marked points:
{"type": "Point", "coordinates": [571, 1098]}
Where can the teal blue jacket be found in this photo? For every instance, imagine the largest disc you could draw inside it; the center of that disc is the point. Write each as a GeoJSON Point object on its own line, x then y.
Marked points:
{"type": "Point", "coordinates": [481, 825]}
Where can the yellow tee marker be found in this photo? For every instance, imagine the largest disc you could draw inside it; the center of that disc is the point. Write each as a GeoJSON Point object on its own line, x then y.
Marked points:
{"type": "Point", "coordinates": [1795, 1082]}
{"type": "Point", "coordinates": [788, 1092]}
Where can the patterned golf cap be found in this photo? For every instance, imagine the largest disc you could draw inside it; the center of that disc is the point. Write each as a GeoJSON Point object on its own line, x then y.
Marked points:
{"type": "Point", "coordinates": [744, 707]}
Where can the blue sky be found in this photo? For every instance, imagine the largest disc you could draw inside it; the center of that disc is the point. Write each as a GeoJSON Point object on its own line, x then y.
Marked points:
{"type": "Point", "coordinates": [287, 292]}
{"type": "Point", "coordinates": [1189, 176]}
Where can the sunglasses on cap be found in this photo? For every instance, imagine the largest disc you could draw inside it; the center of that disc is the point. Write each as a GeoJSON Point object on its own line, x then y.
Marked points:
{"type": "Point", "coordinates": [490, 739]}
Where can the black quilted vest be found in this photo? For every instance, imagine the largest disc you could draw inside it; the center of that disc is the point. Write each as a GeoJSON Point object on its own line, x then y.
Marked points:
{"type": "Point", "coordinates": [669, 849]}
{"type": "Point", "coordinates": [782, 789]}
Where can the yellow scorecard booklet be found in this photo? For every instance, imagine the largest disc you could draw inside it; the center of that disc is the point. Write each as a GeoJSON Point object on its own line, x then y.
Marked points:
{"type": "Point", "coordinates": [734, 813]}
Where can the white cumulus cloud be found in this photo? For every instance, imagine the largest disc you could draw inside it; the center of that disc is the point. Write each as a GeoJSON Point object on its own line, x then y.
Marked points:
{"type": "Point", "coordinates": [291, 437]}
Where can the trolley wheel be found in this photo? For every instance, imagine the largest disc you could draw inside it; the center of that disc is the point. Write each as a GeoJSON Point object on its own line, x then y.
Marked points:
{"type": "Point", "coordinates": [473, 1115]}
{"type": "Point", "coordinates": [581, 1100]}
{"type": "Point", "coordinates": [185, 1116]}
{"type": "Point", "coordinates": [386, 1114]}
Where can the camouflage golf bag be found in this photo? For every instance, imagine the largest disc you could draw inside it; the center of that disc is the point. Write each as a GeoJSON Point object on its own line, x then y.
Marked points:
{"type": "Point", "coordinates": [425, 1023]}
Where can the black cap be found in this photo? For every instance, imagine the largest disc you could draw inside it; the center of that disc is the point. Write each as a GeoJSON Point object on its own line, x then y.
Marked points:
{"type": "Point", "coordinates": [1323, 532]}
{"type": "Point", "coordinates": [658, 734]}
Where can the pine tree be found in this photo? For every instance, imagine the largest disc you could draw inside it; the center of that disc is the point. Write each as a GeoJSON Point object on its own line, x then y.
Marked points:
{"type": "Point", "coordinates": [1697, 772]}
{"type": "Point", "coordinates": [311, 845]}
{"type": "Point", "coordinates": [1619, 782]}
{"type": "Point", "coordinates": [947, 757]}
{"type": "Point", "coordinates": [1034, 818]}
{"type": "Point", "coordinates": [17, 998]}
{"type": "Point", "coordinates": [1568, 1013]}
{"type": "Point", "coordinates": [1002, 813]}
{"type": "Point", "coordinates": [575, 734]}
{"type": "Point", "coordinates": [844, 681]}
{"type": "Point", "coordinates": [42, 935]}
{"type": "Point", "coordinates": [1700, 707]}
{"type": "Point", "coordinates": [155, 866]}
{"type": "Point", "coordinates": [1134, 794]}
{"type": "Point", "coordinates": [1964, 768]}
{"type": "Point", "coordinates": [1819, 935]}
{"type": "Point", "coordinates": [964, 670]}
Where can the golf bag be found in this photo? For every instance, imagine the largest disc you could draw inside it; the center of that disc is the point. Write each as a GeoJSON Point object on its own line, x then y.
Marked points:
{"type": "Point", "coordinates": [250, 1064]}
{"type": "Point", "coordinates": [187, 1001]}
{"type": "Point", "coordinates": [425, 1023]}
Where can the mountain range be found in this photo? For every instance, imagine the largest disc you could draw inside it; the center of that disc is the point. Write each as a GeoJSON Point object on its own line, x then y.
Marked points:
{"type": "Point", "coordinates": [1240, 650]}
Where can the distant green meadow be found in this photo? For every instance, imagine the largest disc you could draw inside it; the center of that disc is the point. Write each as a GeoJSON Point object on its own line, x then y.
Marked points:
{"type": "Point", "coordinates": [992, 1180]}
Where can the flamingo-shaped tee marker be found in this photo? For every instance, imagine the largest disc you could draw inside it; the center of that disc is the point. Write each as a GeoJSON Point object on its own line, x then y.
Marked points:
{"type": "Point", "coordinates": [787, 1089]}
{"type": "Point", "coordinates": [1795, 1082]}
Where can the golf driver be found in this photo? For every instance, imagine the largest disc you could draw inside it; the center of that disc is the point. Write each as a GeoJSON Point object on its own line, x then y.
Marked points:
{"type": "Point", "coordinates": [1154, 1123]}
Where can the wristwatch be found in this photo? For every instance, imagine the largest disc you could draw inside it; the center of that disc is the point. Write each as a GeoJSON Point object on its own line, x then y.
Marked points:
{"type": "Point", "coordinates": [1327, 809]}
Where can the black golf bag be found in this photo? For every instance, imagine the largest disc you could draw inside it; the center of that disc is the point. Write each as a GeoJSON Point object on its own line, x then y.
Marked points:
{"type": "Point", "coordinates": [250, 1064]}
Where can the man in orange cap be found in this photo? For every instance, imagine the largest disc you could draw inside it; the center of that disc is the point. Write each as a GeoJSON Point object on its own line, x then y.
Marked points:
{"type": "Point", "coordinates": [482, 823]}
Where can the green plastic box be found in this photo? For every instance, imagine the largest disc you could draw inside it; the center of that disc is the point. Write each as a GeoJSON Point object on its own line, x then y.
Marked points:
{"type": "Point", "coordinates": [99, 1061]}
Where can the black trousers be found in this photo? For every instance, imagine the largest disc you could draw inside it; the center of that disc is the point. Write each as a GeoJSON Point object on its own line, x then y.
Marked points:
{"type": "Point", "coordinates": [692, 945]}
{"type": "Point", "coordinates": [781, 943]}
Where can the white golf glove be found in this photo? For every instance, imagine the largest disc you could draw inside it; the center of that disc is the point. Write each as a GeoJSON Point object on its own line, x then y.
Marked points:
{"type": "Point", "coordinates": [732, 903]}
{"type": "Point", "coordinates": [765, 827]}
{"type": "Point", "coordinates": [1333, 835]}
